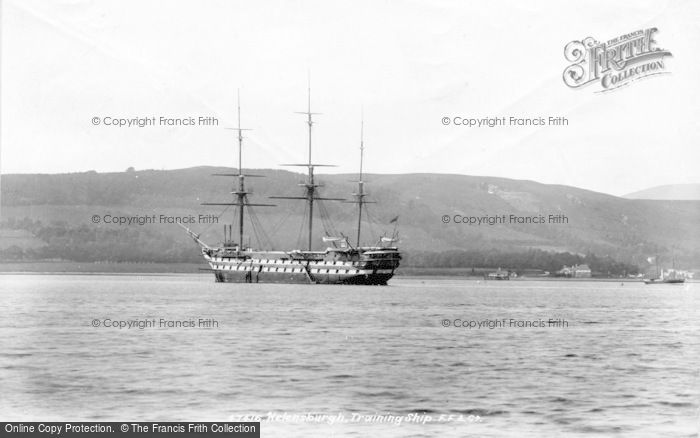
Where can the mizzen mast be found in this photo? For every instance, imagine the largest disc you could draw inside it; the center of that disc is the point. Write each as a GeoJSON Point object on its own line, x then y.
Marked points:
{"type": "Point", "coordinates": [360, 194]}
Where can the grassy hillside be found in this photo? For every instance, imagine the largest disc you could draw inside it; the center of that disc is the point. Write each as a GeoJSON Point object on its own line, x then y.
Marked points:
{"type": "Point", "coordinates": [624, 229]}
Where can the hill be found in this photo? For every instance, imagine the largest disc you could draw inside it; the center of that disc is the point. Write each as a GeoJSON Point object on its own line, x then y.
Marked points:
{"type": "Point", "coordinates": [59, 207]}
{"type": "Point", "coordinates": [673, 192]}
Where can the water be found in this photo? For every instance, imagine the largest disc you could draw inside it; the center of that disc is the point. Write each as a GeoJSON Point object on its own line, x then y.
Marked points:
{"type": "Point", "coordinates": [626, 365]}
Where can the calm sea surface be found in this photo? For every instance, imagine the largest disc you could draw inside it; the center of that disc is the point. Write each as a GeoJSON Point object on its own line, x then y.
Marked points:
{"type": "Point", "coordinates": [377, 361]}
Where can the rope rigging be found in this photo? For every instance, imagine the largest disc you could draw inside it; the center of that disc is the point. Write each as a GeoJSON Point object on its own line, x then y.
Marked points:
{"type": "Point", "coordinates": [300, 236]}
{"type": "Point", "coordinates": [370, 221]}
{"type": "Point", "coordinates": [216, 221]}
{"type": "Point", "coordinates": [260, 235]}
{"type": "Point", "coordinates": [276, 228]}
{"type": "Point", "coordinates": [328, 226]}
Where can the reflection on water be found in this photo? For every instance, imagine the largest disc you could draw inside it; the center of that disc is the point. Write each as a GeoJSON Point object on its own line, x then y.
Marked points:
{"type": "Point", "coordinates": [366, 357]}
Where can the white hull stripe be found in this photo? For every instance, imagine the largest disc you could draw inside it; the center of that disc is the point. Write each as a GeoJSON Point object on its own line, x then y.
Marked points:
{"type": "Point", "coordinates": [298, 270]}
{"type": "Point", "coordinates": [317, 264]}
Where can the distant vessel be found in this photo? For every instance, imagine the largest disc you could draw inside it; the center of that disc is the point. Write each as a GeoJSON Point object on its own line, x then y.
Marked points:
{"type": "Point", "coordinates": [499, 274]}
{"type": "Point", "coordinates": [342, 263]}
{"type": "Point", "coordinates": [670, 276]}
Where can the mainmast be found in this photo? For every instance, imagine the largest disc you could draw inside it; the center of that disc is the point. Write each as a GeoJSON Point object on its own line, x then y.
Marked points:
{"type": "Point", "coordinates": [360, 190]}
{"type": "Point", "coordinates": [240, 192]}
{"type": "Point", "coordinates": [310, 184]}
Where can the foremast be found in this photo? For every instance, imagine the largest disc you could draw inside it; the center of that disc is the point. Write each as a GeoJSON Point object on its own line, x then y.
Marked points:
{"type": "Point", "coordinates": [240, 191]}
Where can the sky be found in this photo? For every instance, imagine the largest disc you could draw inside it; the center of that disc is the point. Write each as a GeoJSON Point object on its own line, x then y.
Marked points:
{"type": "Point", "coordinates": [403, 65]}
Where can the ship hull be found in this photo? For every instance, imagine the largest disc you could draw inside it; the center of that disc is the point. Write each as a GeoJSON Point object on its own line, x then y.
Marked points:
{"type": "Point", "coordinates": [269, 268]}
{"type": "Point", "coordinates": [377, 279]}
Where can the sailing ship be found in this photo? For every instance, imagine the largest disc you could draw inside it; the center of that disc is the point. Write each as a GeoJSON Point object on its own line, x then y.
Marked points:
{"type": "Point", "coordinates": [670, 276]}
{"type": "Point", "coordinates": [341, 263]}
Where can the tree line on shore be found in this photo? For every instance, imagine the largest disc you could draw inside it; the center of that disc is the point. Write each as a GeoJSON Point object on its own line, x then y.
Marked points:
{"type": "Point", "coordinates": [518, 261]}
{"type": "Point", "coordinates": [143, 245]}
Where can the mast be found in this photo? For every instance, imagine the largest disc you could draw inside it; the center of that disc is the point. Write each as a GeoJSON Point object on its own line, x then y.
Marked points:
{"type": "Point", "coordinates": [360, 183]}
{"type": "Point", "coordinates": [658, 273]}
{"type": "Point", "coordinates": [360, 195]}
{"type": "Point", "coordinates": [240, 192]}
{"type": "Point", "coordinates": [310, 183]}
{"type": "Point", "coordinates": [241, 195]}
{"type": "Point", "coordinates": [310, 186]}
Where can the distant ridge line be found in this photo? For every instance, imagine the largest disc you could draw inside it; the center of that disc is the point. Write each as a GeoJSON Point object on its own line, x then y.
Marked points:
{"type": "Point", "coordinates": [668, 192]}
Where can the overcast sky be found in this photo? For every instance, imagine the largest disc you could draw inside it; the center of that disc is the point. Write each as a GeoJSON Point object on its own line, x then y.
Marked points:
{"type": "Point", "coordinates": [409, 64]}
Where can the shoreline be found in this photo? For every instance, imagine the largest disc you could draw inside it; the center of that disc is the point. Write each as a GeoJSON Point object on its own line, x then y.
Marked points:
{"type": "Point", "coordinates": [187, 269]}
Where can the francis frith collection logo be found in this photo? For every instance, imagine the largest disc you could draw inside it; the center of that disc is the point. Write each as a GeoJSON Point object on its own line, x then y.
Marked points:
{"type": "Point", "coordinates": [616, 62]}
